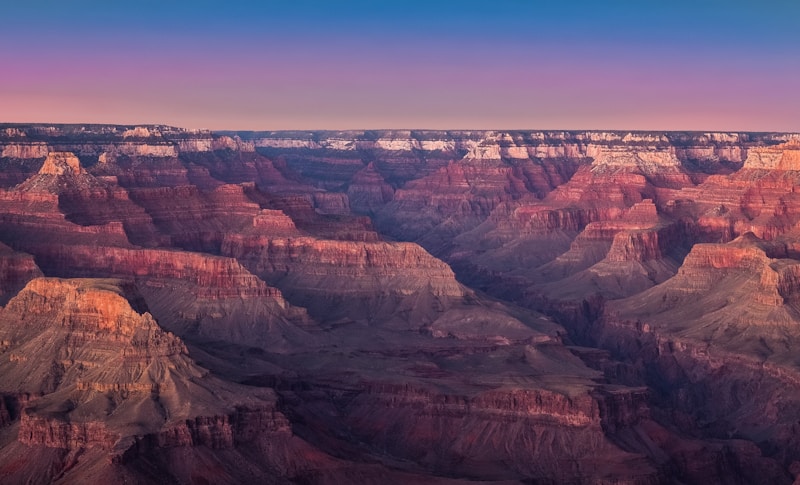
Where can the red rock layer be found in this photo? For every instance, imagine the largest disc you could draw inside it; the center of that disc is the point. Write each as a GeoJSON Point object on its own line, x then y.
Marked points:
{"type": "Point", "coordinates": [310, 219]}
{"type": "Point", "coordinates": [460, 195]}
{"type": "Point", "coordinates": [195, 295]}
{"type": "Point", "coordinates": [31, 216]}
{"type": "Point", "coordinates": [195, 219]}
{"type": "Point", "coordinates": [331, 277]}
{"type": "Point", "coordinates": [471, 436]}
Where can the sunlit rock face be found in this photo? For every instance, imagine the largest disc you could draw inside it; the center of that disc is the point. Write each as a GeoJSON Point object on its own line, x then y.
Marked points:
{"type": "Point", "coordinates": [785, 156]}
{"type": "Point", "coordinates": [398, 306]}
{"type": "Point", "coordinates": [61, 163]}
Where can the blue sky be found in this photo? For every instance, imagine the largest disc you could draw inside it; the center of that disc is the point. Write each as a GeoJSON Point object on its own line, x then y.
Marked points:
{"type": "Point", "coordinates": [357, 64]}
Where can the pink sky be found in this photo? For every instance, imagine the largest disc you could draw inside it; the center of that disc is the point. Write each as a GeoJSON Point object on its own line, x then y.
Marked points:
{"type": "Point", "coordinates": [559, 72]}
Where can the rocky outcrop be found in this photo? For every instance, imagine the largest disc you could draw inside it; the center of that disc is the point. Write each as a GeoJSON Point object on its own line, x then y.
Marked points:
{"type": "Point", "coordinates": [328, 203]}
{"type": "Point", "coordinates": [85, 311]}
{"type": "Point", "coordinates": [50, 433]}
{"type": "Point", "coordinates": [338, 278]}
{"type": "Point", "coordinates": [61, 163]}
{"type": "Point", "coordinates": [785, 156]}
{"type": "Point", "coordinates": [275, 223]}
{"type": "Point", "coordinates": [463, 429]}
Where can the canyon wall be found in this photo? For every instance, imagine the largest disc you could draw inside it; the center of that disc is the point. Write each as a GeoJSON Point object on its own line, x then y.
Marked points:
{"type": "Point", "coordinates": [395, 306]}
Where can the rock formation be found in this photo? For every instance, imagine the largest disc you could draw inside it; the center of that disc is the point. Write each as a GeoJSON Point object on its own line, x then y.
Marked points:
{"type": "Point", "coordinates": [398, 306]}
{"type": "Point", "coordinates": [88, 368]}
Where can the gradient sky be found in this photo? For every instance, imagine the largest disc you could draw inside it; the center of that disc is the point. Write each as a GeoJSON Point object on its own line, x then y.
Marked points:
{"type": "Point", "coordinates": [502, 64]}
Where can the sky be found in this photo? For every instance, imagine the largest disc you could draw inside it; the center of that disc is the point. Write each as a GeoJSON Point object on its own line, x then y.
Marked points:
{"type": "Point", "coordinates": [356, 64]}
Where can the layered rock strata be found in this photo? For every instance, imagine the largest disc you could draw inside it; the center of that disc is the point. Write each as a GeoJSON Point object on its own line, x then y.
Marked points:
{"type": "Point", "coordinates": [331, 266]}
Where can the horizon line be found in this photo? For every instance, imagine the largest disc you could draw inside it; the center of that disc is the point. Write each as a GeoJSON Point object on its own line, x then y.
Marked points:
{"type": "Point", "coordinates": [284, 130]}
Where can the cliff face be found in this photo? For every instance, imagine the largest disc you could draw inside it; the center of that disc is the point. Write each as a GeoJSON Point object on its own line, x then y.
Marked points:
{"type": "Point", "coordinates": [472, 436]}
{"type": "Point", "coordinates": [337, 279]}
{"type": "Point", "coordinates": [785, 156]}
{"type": "Point", "coordinates": [64, 319]}
{"type": "Point", "coordinates": [334, 275]}
{"type": "Point", "coordinates": [93, 375]}
{"type": "Point", "coordinates": [195, 295]}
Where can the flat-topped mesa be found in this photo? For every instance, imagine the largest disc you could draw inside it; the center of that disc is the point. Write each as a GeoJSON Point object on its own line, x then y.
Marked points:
{"type": "Point", "coordinates": [194, 295]}
{"type": "Point", "coordinates": [633, 237]}
{"type": "Point", "coordinates": [535, 219]}
{"type": "Point", "coordinates": [341, 258]}
{"type": "Point", "coordinates": [644, 212]}
{"type": "Point", "coordinates": [61, 163]}
{"type": "Point", "coordinates": [646, 160]}
{"type": "Point", "coordinates": [706, 264]}
{"type": "Point", "coordinates": [348, 279]}
{"type": "Point", "coordinates": [723, 256]}
{"type": "Point", "coordinates": [275, 223]}
{"type": "Point", "coordinates": [640, 216]}
{"type": "Point", "coordinates": [635, 246]}
{"type": "Point", "coordinates": [211, 143]}
{"type": "Point", "coordinates": [785, 156]}
{"type": "Point", "coordinates": [137, 149]}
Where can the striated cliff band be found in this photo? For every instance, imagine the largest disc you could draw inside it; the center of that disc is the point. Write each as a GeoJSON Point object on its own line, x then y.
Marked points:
{"type": "Point", "coordinates": [184, 306]}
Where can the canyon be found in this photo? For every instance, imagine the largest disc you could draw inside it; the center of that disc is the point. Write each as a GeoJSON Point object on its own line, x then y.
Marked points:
{"type": "Point", "coordinates": [387, 306]}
